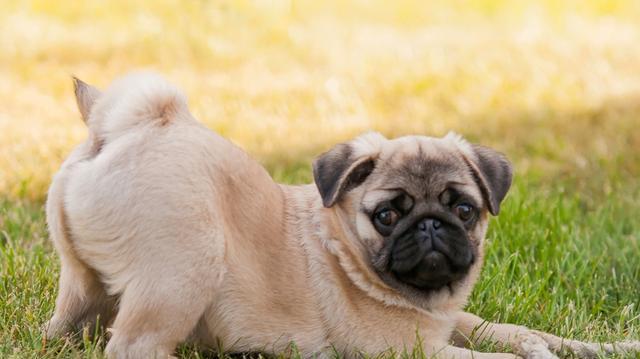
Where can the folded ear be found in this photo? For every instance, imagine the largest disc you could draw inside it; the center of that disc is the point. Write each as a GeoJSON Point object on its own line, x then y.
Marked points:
{"type": "Point", "coordinates": [86, 96]}
{"type": "Point", "coordinates": [345, 166]}
{"type": "Point", "coordinates": [493, 173]}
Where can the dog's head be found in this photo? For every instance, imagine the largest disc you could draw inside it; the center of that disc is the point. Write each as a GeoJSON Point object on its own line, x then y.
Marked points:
{"type": "Point", "coordinates": [418, 207]}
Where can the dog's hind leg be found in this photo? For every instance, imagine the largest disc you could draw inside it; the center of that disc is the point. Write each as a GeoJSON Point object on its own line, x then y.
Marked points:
{"type": "Point", "coordinates": [81, 296]}
{"type": "Point", "coordinates": [163, 296]}
{"type": "Point", "coordinates": [81, 302]}
{"type": "Point", "coordinates": [155, 316]}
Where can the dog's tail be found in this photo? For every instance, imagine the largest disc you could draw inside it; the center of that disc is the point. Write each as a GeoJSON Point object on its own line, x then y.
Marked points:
{"type": "Point", "coordinates": [137, 99]}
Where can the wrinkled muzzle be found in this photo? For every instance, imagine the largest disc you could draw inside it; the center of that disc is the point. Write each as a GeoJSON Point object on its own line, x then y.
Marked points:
{"type": "Point", "coordinates": [432, 254]}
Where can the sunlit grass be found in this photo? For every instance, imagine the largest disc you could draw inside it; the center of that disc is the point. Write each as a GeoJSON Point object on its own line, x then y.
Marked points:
{"type": "Point", "coordinates": [554, 85]}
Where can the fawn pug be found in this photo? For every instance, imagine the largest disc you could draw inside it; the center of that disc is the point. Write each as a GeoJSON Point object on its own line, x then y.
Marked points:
{"type": "Point", "coordinates": [169, 233]}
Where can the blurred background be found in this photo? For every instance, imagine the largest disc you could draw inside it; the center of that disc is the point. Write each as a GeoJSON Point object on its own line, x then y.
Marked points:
{"type": "Point", "coordinates": [553, 84]}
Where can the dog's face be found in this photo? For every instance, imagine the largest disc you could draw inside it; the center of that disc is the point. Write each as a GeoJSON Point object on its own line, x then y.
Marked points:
{"type": "Point", "coordinates": [418, 206]}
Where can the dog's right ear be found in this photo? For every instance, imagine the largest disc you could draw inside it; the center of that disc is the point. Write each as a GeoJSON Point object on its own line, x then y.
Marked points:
{"type": "Point", "coordinates": [86, 96]}
{"type": "Point", "coordinates": [345, 166]}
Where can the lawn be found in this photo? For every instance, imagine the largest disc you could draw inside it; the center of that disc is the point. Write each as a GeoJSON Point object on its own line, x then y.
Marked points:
{"type": "Point", "coordinates": [554, 85]}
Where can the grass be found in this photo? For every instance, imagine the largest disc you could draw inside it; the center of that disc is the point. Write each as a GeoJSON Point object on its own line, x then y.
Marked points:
{"type": "Point", "coordinates": [555, 85]}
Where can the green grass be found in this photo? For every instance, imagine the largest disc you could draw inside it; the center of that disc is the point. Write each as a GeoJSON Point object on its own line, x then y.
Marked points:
{"type": "Point", "coordinates": [554, 262]}
{"type": "Point", "coordinates": [560, 266]}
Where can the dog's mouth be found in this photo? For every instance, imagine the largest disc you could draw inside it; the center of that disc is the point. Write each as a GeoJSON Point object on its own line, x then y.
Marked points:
{"type": "Point", "coordinates": [430, 261]}
{"type": "Point", "coordinates": [433, 272]}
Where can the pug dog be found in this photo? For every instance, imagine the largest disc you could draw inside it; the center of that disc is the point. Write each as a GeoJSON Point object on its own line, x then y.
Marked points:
{"type": "Point", "coordinates": [168, 233]}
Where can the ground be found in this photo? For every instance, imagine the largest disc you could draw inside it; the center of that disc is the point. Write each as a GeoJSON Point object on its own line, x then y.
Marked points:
{"type": "Point", "coordinates": [554, 85]}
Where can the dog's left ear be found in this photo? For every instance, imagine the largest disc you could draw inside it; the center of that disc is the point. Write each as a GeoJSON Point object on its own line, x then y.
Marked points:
{"type": "Point", "coordinates": [86, 96]}
{"type": "Point", "coordinates": [494, 173]}
{"type": "Point", "coordinates": [345, 166]}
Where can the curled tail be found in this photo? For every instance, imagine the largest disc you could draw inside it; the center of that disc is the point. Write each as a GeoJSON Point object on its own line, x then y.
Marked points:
{"type": "Point", "coordinates": [137, 99]}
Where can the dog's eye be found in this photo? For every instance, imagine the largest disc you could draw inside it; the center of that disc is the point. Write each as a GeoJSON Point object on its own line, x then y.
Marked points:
{"type": "Point", "coordinates": [387, 217]}
{"type": "Point", "coordinates": [464, 211]}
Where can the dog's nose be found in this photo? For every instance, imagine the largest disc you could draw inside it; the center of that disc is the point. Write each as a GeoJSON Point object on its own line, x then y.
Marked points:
{"type": "Point", "coordinates": [429, 223]}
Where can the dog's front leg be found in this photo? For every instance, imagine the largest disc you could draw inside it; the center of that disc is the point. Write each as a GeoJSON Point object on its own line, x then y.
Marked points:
{"type": "Point", "coordinates": [452, 352]}
{"type": "Point", "coordinates": [471, 329]}
{"type": "Point", "coordinates": [589, 350]}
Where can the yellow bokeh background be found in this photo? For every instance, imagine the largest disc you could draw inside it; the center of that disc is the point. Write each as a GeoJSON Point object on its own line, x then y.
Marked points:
{"type": "Point", "coordinates": [555, 85]}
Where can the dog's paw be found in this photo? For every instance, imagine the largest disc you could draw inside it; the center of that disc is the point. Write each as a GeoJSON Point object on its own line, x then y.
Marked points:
{"type": "Point", "coordinates": [624, 347]}
{"type": "Point", "coordinates": [532, 346]}
{"type": "Point", "coordinates": [562, 345]}
{"type": "Point", "coordinates": [588, 350]}
{"type": "Point", "coordinates": [55, 328]}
